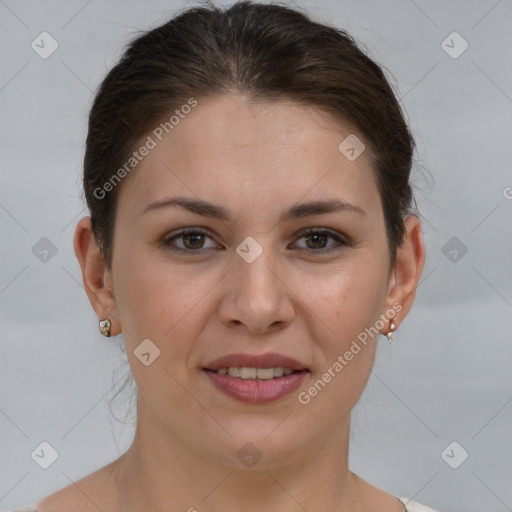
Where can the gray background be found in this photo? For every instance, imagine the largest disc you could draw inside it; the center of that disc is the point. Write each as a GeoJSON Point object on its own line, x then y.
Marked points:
{"type": "Point", "coordinates": [446, 377]}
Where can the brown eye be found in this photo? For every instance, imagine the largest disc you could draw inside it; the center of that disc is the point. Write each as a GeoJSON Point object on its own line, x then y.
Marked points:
{"type": "Point", "coordinates": [316, 241]}
{"type": "Point", "coordinates": [191, 240]}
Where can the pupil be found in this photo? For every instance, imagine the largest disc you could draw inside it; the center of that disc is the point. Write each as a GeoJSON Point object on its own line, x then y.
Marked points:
{"type": "Point", "coordinates": [315, 238]}
{"type": "Point", "coordinates": [193, 236]}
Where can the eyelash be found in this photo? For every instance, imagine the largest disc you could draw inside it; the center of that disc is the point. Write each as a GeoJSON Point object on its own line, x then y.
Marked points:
{"type": "Point", "coordinates": [310, 231]}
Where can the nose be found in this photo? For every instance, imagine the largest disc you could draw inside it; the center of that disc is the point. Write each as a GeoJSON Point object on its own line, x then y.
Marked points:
{"type": "Point", "coordinates": [257, 296]}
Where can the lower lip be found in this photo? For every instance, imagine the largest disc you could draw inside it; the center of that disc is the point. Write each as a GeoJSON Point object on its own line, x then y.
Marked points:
{"type": "Point", "coordinates": [257, 391]}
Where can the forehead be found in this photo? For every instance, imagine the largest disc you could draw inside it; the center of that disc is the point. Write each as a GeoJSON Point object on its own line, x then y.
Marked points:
{"type": "Point", "coordinates": [251, 154]}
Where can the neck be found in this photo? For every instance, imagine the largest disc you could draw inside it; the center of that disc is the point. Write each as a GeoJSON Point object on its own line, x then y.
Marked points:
{"type": "Point", "coordinates": [160, 470]}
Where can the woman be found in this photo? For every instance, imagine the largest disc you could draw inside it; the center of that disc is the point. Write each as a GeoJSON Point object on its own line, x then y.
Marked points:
{"type": "Point", "coordinates": [251, 234]}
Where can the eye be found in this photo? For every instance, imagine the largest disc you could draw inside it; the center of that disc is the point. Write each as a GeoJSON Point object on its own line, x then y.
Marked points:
{"type": "Point", "coordinates": [316, 240]}
{"type": "Point", "coordinates": [193, 240]}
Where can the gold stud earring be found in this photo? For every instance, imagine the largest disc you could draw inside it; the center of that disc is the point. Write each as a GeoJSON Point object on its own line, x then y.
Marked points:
{"type": "Point", "coordinates": [392, 327]}
{"type": "Point", "coordinates": [105, 327]}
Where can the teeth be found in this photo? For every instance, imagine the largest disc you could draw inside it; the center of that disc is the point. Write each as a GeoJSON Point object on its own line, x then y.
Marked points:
{"type": "Point", "coordinates": [278, 372]}
{"type": "Point", "coordinates": [255, 373]}
{"type": "Point", "coordinates": [262, 373]}
{"type": "Point", "coordinates": [248, 373]}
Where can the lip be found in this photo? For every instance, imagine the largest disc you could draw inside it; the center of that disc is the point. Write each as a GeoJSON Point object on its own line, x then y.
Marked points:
{"type": "Point", "coordinates": [269, 360]}
{"type": "Point", "coordinates": [256, 391]}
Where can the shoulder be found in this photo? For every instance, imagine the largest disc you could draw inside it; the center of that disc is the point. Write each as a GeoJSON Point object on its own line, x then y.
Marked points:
{"type": "Point", "coordinates": [413, 506]}
{"type": "Point", "coordinates": [92, 493]}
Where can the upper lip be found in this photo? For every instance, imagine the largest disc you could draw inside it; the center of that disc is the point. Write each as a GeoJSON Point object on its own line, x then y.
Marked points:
{"type": "Point", "coordinates": [269, 360]}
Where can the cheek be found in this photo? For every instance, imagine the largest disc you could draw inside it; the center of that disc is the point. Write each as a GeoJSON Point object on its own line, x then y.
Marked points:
{"type": "Point", "coordinates": [347, 300]}
{"type": "Point", "coordinates": [348, 303]}
{"type": "Point", "coordinates": [346, 354]}
{"type": "Point", "coordinates": [160, 301]}
{"type": "Point", "coordinates": [361, 296]}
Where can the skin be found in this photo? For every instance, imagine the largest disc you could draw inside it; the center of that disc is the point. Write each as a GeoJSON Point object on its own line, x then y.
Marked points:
{"type": "Point", "coordinates": [257, 160]}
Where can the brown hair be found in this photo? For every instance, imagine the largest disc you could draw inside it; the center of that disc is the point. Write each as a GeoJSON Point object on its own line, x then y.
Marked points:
{"type": "Point", "coordinates": [265, 51]}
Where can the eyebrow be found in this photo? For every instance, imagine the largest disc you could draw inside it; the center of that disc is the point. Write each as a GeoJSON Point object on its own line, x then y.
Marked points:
{"type": "Point", "coordinates": [298, 211]}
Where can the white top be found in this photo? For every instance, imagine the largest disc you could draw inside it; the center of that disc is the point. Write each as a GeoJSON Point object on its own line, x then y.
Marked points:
{"type": "Point", "coordinates": [410, 506]}
{"type": "Point", "coordinates": [413, 506]}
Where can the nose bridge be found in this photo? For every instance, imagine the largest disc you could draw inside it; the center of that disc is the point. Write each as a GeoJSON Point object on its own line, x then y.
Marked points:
{"type": "Point", "coordinates": [254, 267]}
{"type": "Point", "coordinates": [257, 297]}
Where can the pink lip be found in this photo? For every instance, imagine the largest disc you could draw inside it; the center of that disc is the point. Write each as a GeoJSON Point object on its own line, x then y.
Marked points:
{"type": "Point", "coordinates": [256, 391]}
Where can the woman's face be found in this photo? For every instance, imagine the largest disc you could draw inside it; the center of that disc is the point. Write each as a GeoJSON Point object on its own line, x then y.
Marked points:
{"type": "Point", "coordinates": [253, 282]}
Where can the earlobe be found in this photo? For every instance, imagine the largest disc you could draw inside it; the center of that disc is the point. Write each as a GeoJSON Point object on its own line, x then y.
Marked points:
{"type": "Point", "coordinates": [406, 273]}
{"type": "Point", "coordinates": [96, 277]}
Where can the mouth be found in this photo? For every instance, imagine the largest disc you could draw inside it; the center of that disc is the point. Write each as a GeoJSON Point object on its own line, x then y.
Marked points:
{"type": "Point", "coordinates": [248, 373]}
{"type": "Point", "coordinates": [256, 379]}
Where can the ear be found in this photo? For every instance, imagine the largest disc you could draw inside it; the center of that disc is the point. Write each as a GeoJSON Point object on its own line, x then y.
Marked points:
{"type": "Point", "coordinates": [406, 273]}
{"type": "Point", "coordinates": [96, 277]}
